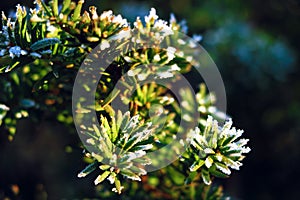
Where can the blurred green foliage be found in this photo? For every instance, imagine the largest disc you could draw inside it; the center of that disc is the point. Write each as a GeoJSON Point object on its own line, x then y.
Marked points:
{"type": "Point", "coordinates": [47, 45]}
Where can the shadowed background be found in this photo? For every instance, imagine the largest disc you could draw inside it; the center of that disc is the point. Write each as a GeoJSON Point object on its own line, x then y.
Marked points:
{"type": "Point", "coordinates": [256, 46]}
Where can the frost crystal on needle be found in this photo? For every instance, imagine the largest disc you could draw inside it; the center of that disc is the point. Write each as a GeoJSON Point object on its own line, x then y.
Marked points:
{"type": "Point", "coordinates": [16, 51]}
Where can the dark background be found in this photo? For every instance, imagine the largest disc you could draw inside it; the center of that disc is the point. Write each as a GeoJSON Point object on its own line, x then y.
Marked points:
{"type": "Point", "coordinates": [256, 46]}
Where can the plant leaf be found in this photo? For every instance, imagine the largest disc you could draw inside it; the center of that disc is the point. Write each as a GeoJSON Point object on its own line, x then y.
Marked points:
{"type": "Point", "coordinates": [130, 175]}
{"type": "Point", "coordinates": [196, 165]}
{"type": "Point", "coordinates": [205, 177]}
{"type": "Point", "coordinates": [89, 169]}
{"type": "Point", "coordinates": [44, 43]}
{"type": "Point", "coordinates": [102, 177]}
{"type": "Point", "coordinates": [118, 186]}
